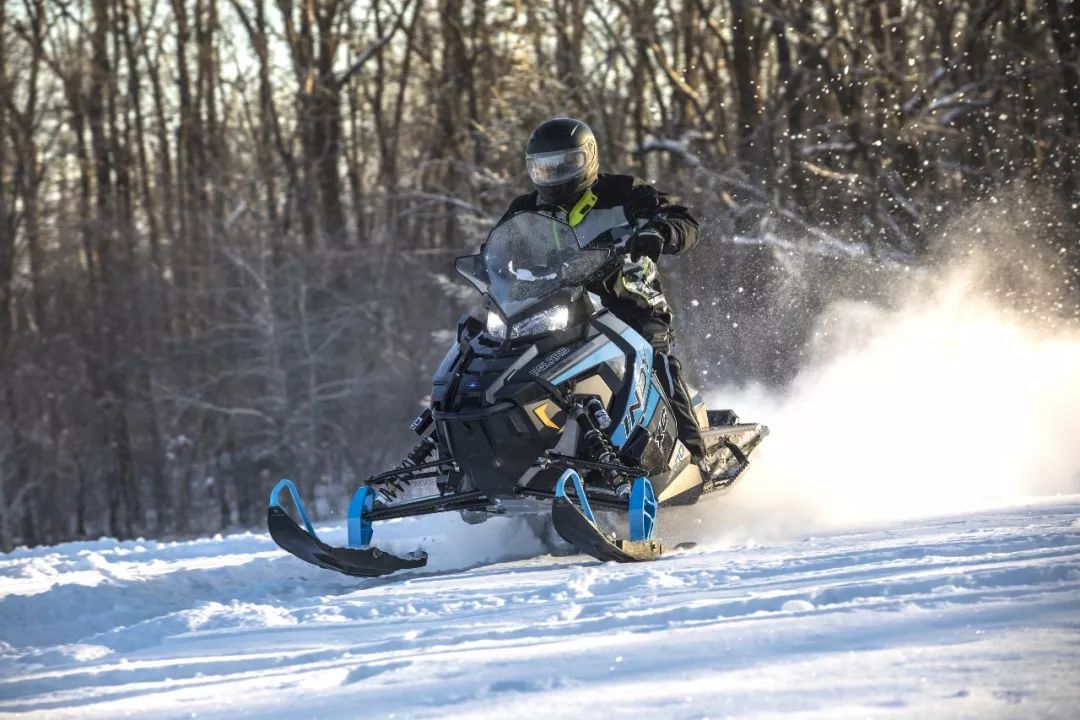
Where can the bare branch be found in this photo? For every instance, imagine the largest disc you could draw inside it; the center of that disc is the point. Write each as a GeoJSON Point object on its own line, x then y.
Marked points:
{"type": "Point", "coordinates": [376, 47]}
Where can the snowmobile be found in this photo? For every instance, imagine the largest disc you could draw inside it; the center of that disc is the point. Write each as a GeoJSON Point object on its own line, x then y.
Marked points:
{"type": "Point", "coordinates": [546, 400]}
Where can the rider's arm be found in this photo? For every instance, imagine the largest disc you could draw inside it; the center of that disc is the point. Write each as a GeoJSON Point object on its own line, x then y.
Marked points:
{"type": "Point", "coordinates": [673, 222]}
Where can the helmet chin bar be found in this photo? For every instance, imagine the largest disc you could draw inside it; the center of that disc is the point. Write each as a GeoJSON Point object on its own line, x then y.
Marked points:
{"type": "Point", "coordinates": [563, 195]}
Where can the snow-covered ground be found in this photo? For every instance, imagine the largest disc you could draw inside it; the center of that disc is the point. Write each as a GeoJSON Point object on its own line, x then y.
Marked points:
{"type": "Point", "coordinates": [970, 615]}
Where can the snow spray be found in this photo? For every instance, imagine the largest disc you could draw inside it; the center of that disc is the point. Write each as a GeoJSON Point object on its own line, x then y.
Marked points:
{"type": "Point", "coordinates": [962, 394]}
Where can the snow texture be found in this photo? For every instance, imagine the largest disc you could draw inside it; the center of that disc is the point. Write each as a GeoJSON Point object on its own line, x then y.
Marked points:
{"type": "Point", "coordinates": [969, 615]}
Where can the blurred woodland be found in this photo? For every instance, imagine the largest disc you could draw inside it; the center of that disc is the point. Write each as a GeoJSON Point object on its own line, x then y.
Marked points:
{"type": "Point", "coordinates": [227, 227]}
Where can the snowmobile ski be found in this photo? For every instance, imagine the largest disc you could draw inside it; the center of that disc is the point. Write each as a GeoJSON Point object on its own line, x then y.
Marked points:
{"type": "Point", "coordinates": [306, 545]}
{"type": "Point", "coordinates": [578, 527]}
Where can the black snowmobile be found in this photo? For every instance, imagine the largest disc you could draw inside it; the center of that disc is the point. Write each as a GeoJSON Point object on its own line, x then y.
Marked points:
{"type": "Point", "coordinates": [547, 398]}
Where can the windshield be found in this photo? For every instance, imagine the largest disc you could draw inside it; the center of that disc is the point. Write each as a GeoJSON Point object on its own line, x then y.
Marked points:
{"type": "Point", "coordinates": [527, 258]}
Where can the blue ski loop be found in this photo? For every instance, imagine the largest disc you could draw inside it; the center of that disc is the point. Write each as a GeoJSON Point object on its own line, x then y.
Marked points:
{"type": "Point", "coordinates": [560, 492]}
{"type": "Point", "coordinates": [642, 510]}
{"type": "Point", "coordinates": [286, 484]}
{"type": "Point", "coordinates": [360, 527]}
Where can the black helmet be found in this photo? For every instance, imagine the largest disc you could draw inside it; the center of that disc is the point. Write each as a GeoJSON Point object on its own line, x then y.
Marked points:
{"type": "Point", "coordinates": [561, 160]}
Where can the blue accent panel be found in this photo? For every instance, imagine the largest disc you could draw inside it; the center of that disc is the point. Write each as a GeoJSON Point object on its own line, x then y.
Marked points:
{"type": "Point", "coordinates": [610, 351]}
{"type": "Point", "coordinates": [642, 510]}
{"type": "Point", "coordinates": [650, 404]}
{"type": "Point", "coordinates": [360, 527]}
{"type": "Point", "coordinates": [618, 438]}
{"type": "Point", "coordinates": [560, 492]}
{"type": "Point", "coordinates": [635, 406]}
{"type": "Point", "coordinates": [275, 502]}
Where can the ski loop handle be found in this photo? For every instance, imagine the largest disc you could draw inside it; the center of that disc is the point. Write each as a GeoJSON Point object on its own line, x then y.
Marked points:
{"type": "Point", "coordinates": [579, 490]}
{"type": "Point", "coordinates": [285, 484]}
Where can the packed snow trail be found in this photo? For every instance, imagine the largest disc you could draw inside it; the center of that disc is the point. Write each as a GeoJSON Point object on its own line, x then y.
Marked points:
{"type": "Point", "coordinates": [973, 615]}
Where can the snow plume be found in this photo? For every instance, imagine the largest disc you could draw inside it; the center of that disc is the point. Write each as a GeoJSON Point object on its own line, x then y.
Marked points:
{"type": "Point", "coordinates": [962, 393]}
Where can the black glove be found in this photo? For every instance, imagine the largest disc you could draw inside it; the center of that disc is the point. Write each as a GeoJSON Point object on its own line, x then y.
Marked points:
{"type": "Point", "coordinates": [647, 241]}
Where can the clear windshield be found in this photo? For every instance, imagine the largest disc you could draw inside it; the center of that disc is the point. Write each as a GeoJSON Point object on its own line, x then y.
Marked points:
{"type": "Point", "coordinates": [527, 258]}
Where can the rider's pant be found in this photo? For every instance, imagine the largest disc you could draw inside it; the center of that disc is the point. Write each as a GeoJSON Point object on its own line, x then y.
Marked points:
{"type": "Point", "coordinates": [670, 369]}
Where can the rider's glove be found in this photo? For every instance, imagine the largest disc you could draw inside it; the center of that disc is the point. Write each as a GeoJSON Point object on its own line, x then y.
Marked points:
{"type": "Point", "coordinates": [645, 242]}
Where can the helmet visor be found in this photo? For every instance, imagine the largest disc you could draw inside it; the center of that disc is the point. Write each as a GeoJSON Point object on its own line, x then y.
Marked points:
{"type": "Point", "coordinates": [555, 168]}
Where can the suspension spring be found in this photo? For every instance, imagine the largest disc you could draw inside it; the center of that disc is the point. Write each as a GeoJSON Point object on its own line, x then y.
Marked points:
{"type": "Point", "coordinates": [417, 456]}
{"type": "Point", "coordinates": [601, 451]}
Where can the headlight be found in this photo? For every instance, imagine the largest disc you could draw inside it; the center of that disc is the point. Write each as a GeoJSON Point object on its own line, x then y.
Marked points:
{"type": "Point", "coordinates": [549, 320]}
{"type": "Point", "coordinates": [495, 325]}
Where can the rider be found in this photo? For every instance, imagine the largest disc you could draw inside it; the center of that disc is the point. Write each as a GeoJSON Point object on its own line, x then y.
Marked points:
{"type": "Point", "coordinates": [562, 162]}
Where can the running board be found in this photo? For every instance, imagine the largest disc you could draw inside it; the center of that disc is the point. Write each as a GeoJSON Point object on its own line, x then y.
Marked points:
{"type": "Point", "coordinates": [743, 433]}
{"type": "Point", "coordinates": [739, 441]}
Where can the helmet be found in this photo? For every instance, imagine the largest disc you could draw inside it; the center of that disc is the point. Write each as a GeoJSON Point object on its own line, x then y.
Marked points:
{"type": "Point", "coordinates": [561, 160]}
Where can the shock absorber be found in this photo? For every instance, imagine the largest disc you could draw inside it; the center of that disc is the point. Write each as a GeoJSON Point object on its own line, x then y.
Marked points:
{"type": "Point", "coordinates": [600, 449]}
{"type": "Point", "coordinates": [599, 413]}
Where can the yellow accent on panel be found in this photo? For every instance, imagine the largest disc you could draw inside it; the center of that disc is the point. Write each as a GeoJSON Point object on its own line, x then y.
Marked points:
{"type": "Point", "coordinates": [542, 413]}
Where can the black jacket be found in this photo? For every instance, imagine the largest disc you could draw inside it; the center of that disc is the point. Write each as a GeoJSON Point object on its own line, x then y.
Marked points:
{"type": "Point", "coordinates": [633, 291]}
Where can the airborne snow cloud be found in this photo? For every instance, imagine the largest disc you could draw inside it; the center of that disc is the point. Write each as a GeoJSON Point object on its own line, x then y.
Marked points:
{"type": "Point", "coordinates": [963, 393]}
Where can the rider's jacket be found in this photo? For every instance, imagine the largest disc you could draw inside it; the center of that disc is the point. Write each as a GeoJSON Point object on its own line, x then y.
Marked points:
{"type": "Point", "coordinates": [633, 290]}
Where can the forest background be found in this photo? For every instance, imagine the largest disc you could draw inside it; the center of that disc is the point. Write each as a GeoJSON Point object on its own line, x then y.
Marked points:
{"type": "Point", "coordinates": [227, 227]}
